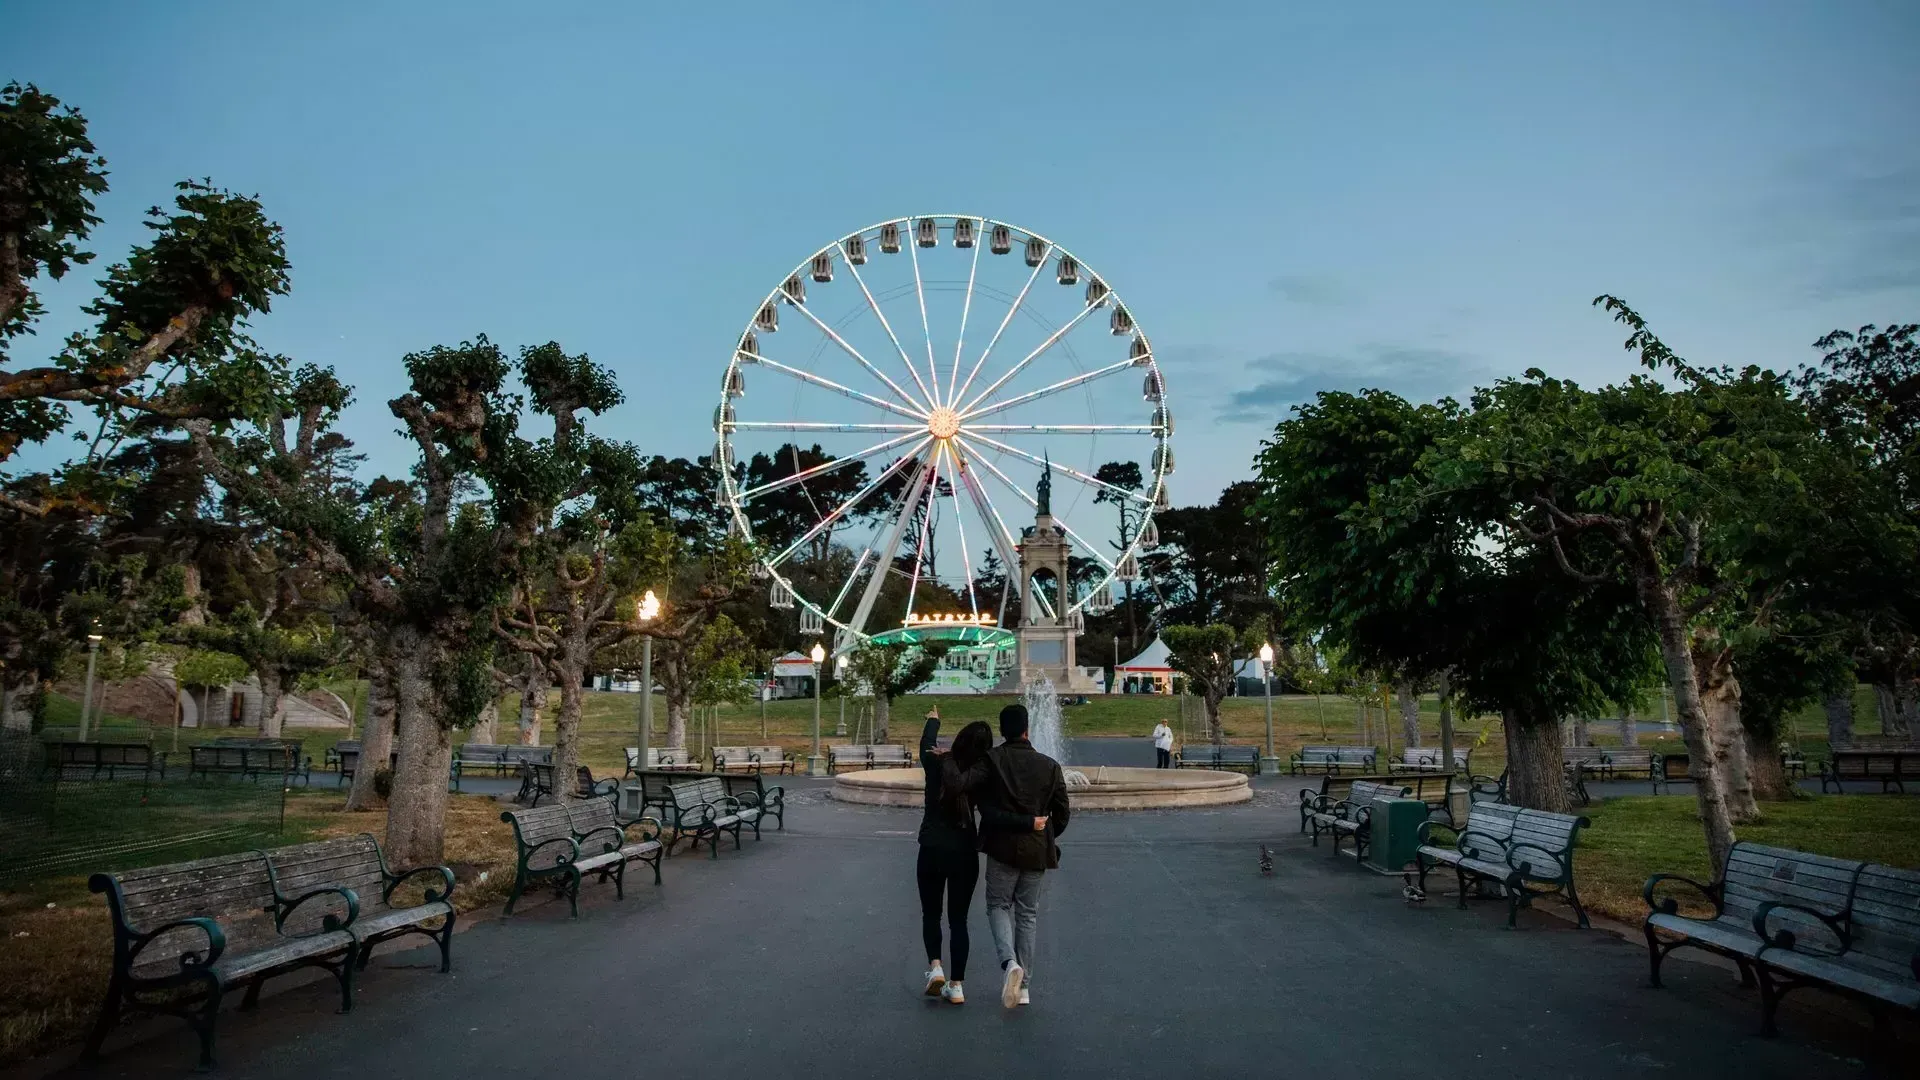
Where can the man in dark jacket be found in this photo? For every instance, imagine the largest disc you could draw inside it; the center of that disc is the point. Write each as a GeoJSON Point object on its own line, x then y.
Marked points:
{"type": "Point", "coordinates": [1023, 810]}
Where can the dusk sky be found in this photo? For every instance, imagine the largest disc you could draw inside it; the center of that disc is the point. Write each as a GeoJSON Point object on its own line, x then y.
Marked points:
{"type": "Point", "coordinates": [1420, 197]}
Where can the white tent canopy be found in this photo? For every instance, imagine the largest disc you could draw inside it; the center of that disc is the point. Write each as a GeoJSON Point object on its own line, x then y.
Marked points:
{"type": "Point", "coordinates": [1151, 661]}
{"type": "Point", "coordinates": [794, 665]}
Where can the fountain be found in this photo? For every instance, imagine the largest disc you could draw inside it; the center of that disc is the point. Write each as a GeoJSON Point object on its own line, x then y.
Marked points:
{"type": "Point", "coordinates": [1107, 788]}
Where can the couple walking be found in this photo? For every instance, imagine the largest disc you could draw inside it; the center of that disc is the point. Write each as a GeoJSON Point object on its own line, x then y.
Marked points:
{"type": "Point", "coordinates": [1020, 796]}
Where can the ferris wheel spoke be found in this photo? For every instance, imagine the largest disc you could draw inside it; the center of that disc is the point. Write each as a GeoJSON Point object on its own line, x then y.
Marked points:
{"type": "Point", "coordinates": [1067, 429]}
{"type": "Point", "coordinates": [1063, 470]}
{"type": "Point", "coordinates": [825, 467]}
{"type": "Point", "coordinates": [1002, 538]}
{"type": "Point", "coordinates": [829, 384]}
{"type": "Point", "coordinates": [1052, 340]}
{"type": "Point", "coordinates": [960, 342]}
{"type": "Point", "coordinates": [858, 624]}
{"type": "Point", "coordinates": [852, 501]}
{"type": "Point", "coordinates": [841, 597]}
{"type": "Point", "coordinates": [811, 425]}
{"type": "Point", "coordinates": [920, 291]}
{"type": "Point", "coordinates": [1004, 320]}
{"type": "Point", "coordinates": [1035, 503]}
{"type": "Point", "coordinates": [891, 336]}
{"type": "Point", "coordinates": [1046, 391]}
{"type": "Point", "coordinates": [855, 353]}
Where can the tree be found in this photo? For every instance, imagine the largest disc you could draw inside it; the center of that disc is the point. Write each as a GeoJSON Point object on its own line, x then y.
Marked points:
{"type": "Point", "coordinates": [780, 517]}
{"type": "Point", "coordinates": [1407, 580]}
{"type": "Point", "coordinates": [1213, 569]}
{"type": "Point", "coordinates": [1123, 476]}
{"type": "Point", "coordinates": [206, 669]}
{"type": "Point", "coordinates": [1205, 655]}
{"type": "Point", "coordinates": [888, 671]}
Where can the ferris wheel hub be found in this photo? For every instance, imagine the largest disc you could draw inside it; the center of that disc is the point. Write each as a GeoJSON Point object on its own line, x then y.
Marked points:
{"type": "Point", "coordinates": [943, 423]}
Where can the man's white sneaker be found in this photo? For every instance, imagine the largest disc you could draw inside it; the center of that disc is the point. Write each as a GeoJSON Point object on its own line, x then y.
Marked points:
{"type": "Point", "coordinates": [1025, 996]}
{"type": "Point", "coordinates": [936, 980]}
{"type": "Point", "coordinates": [952, 994]}
{"type": "Point", "coordinates": [1010, 990]}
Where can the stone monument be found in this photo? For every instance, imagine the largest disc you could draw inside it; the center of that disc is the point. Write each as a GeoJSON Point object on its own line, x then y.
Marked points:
{"type": "Point", "coordinates": [1046, 633]}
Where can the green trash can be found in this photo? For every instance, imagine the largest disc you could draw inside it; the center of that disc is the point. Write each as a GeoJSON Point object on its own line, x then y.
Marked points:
{"type": "Point", "coordinates": [1395, 827]}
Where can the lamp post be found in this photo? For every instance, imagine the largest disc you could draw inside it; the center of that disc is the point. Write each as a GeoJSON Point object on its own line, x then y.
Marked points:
{"type": "Point", "coordinates": [1271, 763]}
{"type": "Point", "coordinates": [816, 765]}
{"type": "Point", "coordinates": [86, 703]}
{"type": "Point", "coordinates": [839, 674]}
{"type": "Point", "coordinates": [647, 610]}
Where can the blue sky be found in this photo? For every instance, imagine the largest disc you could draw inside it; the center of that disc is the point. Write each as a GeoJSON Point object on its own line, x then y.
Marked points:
{"type": "Point", "coordinates": [1417, 196]}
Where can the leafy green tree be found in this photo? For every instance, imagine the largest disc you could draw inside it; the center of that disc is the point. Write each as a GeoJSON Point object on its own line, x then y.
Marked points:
{"type": "Point", "coordinates": [888, 671]}
{"type": "Point", "coordinates": [1211, 567]}
{"type": "Point", "coordinates": [206, 669]}
{"type": "Point", "coordinates": [1124, 476]}
{"type": "Point", "coordinates": [1205, 655]}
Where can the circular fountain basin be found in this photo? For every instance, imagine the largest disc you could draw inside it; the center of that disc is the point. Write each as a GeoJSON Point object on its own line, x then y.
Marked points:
{"type": "Point", "coordinates": [1110, 788]}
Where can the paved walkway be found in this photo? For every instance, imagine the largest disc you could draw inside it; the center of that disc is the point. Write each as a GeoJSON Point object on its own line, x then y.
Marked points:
{"type": "Point", "coordinates": [1162, 952]}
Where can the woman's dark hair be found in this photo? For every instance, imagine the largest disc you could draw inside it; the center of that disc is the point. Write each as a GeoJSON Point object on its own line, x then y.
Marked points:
{"type": "Point", "coordinates": [970, 748]}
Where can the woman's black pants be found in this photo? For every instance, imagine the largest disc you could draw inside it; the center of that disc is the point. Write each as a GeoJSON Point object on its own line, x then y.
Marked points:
{"type": "Point", "coordinates": [954, 873]}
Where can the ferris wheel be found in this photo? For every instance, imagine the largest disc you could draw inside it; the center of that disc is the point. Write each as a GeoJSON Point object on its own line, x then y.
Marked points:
{"type": "Point", "coordinates": [882, 477]}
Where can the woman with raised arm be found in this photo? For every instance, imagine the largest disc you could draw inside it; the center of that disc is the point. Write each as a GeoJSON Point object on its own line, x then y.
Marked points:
{"type": "Point", "coordinates": [949, 862]}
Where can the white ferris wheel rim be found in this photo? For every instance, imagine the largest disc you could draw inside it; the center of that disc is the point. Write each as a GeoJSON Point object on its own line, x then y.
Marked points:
{"type": "Point", "coordinates": [920, 418]}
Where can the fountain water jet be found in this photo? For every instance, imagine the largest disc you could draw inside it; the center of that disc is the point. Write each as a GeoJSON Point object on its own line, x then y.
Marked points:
{"type": "Point", "coordinates": [1047, 727]}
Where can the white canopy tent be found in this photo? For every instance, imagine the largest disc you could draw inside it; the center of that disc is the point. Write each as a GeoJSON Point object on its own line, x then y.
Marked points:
{"type": "Point", "coordinates": [1150, 672]}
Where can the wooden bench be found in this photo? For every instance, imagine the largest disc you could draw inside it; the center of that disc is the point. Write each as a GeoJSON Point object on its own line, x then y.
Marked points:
{"type": "Point", "coordinates": [543, 779]}
{"type": "Point", "coordinates": [598, 831]}
{"type": "Point", "coordinates": [249, 761]}
{"type": "Point", "coordinates": [1493, 790]}
{"type": "Point", "coordinates": [751, 759]}
{"type": "Point", "coordinates": [1218, 756]}
{"type": "Point", "coordinates": [702, 810]}
{"type": "Point", "coordinates": [500, 759]}
{"type": "Point", "coordinates": [663, 759]}
{"type": "Point", "coordinates": [1431, 788]}
{"type": "Point", "coordinates": [1350, 816]}
{"type": "Point", "coordinates": [1878, 959]}
{"type": "Point", "coordinates": [334, 759]}
{"type": "Point", "coordinates": [868, 756]}
{"type": "Point", "coordinates": [1427, 759]}
{"type": "Point", "coordinates": [1818, 887]}
{"type": "Point", "coordinates": [186, 933]}
{"type": "Point", "coordinates": [1891, 767]}
{"type": "Point", "coordinates": [355, 864]}
{"type": "Point", "coordinates": [1513, 847]}
{"type": "Point", "coordinates": [94, 758]}
{"type": "Point", "coordinates": [1331, 759]}
{"type": "Point", "coordinates": [756, 794]}
{"type": "Point", "coordinates": [548, 854]}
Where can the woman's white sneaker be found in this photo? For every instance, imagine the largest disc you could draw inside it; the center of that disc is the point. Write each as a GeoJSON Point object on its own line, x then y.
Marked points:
{"type": "Point", "coordinates": [952, 994]}
{"type": "Point", "coordinates": [936, 980]}
{"type": "Point", "coordinates": [1025, 996]}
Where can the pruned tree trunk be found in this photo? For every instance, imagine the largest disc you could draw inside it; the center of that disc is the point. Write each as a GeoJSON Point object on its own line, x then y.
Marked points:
{"type": "Point", "coordinates": [1896, 710]}
{"type": "Point", "coordinates": [533, 698]}
{"type": "Point", "coordinates": [1629, 730]}
{"type": "Point", "coordinates": [1366, 724]}
{"type": "Point", "coordinates": [1409, 703]}
{"type": "Point", "coordinates": [1720, 703]}
{"type": "Point", "coordinates": [417, 810]}
{"type": "Point", "coordinates": [376, 740]}
{"type": "Point", "coordinates": [21, 691]}
{"type": "Point", "coordinates": [1839, 710]}
{"type": "Point", "coordinates": [1676, 653]}
{"type": "Point", "coordinates": [676, 722]}
{"type": "Point", "coordinates": [1765, 771]}
{"type": "Point", "coordinates": [487, 728]}
{"type": "Point", "coordinates": [1578, 733]}
{"type": "Point", "coordinates": [566, 722]}
{"type": "Point", "coordinates": [1535, 775]}
{"type": "Point", "coordinates": [273, 705]}
{"type": "Point", "coordinates": [882, 716]}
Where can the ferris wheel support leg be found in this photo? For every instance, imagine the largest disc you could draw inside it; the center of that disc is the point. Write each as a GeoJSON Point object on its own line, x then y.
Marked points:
{"type": "Point", "coordinates": [858, 624]}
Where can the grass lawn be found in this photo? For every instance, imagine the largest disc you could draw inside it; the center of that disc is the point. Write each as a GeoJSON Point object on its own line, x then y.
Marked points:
{"type": "Point", "coordinates": [56, 938]}
{"type": "Point", "coordinates": [1636, 837]}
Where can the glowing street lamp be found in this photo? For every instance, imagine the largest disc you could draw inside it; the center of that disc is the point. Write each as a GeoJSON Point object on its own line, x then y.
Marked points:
{"type": "Point", "coordinates": [840, 675]}
{"type": "Point", "coordinates": [1271, 763]}
{"type": "Point", "coordinates": [86, 703]}
{"type": "Point", "coordinates": [816, 765]}
{"type": "Point", "coordinates": [645, 610]}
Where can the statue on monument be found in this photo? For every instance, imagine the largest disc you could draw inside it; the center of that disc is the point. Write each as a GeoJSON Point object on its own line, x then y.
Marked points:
{"type": "Point", "coordinates": [1043, 491]}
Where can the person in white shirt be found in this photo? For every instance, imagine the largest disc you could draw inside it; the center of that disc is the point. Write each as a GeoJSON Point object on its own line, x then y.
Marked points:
{"type": "Point", "coordinates": [1163, 745]}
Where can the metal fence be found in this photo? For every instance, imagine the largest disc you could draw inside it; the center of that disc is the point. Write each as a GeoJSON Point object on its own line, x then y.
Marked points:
{"type": "Point", "coordinates": [79, 819]}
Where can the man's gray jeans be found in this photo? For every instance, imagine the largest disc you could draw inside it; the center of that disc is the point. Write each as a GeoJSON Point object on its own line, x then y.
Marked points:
{"type": "Point", "coordinates": [1013, 910]}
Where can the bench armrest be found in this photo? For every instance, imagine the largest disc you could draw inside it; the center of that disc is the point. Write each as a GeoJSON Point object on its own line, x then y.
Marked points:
{"type": "Point", "coordinates": [216, 942]}
{"type": "Point", "coordinates": [1666, 905]}
{"type": "Point", "coordinates": [1313, 802]}
{"type": "Point", "coordinates": [446, 878]}
{"type": "Point", "coordinates": [1424, 834]}
{"type": "Point", "coordinates": [1786, 939]}
{"type": "Point", "coordinates": [649, 827]}
{"type": "Point", "coordinates": [527, 851]}
{"type": "Point", "coordinates": [328, 922]}
{"type": "Point", "coordinates": [1464, 841]}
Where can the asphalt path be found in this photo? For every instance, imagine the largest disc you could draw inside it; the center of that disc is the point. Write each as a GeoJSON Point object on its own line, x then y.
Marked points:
{"type": "Point", "coordinates": [1163, 951]}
